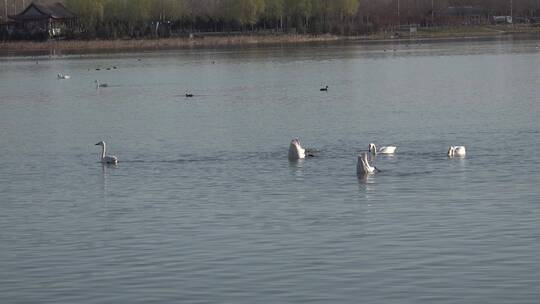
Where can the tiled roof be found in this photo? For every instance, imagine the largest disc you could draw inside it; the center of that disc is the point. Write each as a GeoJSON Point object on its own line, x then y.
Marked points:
{"type": "Point", "coordinates": [54, 10]}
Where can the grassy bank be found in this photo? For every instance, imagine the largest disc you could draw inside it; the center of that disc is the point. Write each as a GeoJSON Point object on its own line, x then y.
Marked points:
{"type": "Point", "coordinates": [458, 32]}
{"type": "Point", "coordinates": [250, 39]}
{"type": "Point", "coordinates": [164, 43]}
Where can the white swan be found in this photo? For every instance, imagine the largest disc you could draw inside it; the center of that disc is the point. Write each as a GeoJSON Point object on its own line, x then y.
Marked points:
{"type": "Point", "coordinates": [456, 151]}
{"type": "Point", "coordinates": [100, 85]}
{"type": "Point", "coordinates": [382, 150]}
{"type": "Point", "coordinates": [363, 167]}
{"type": "Point", "coordinates": [63, 76]}
{"type": "Point", "coordinates": [296, 151]}
{"type": "Point", "coordinates": [106, 159]}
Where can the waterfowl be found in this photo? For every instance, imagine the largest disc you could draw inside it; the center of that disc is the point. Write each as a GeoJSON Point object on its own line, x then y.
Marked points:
{"type": "Point", "coordinates": [189, 95]}
{"type": "Point", "coordinates": [382, 150]}
{"type": "Point", "coordinates": [106, 159]}
{"type": "Point", "coordinates": [456, 151]}
{"type": "Point", "coordinates": [363, 167]}
{"type": "Point", "coordinates": [296, 151]}
{"type": "Point", "coordinates": [100, 85]}
{"type": "Point", "coordinates": [63, 76]}
{"type": "Point", "coordinates": [325, 88]}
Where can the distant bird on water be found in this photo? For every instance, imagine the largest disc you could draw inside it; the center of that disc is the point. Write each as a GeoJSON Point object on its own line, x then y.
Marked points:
{"type": "Point", "coordinates": [106, 159]}
{"type": "Point", "coordinates": [189, 94]}
{"type": "Point", "coordinates": [382, 150]}
{"type": "Point", "coordinates": [100, 85]}
{"type": "Point", "coordinates": [296, 151]}
{"type": "Point", "coordinates": [324, 89]}
{"type": "Point", "coordinates": [363, 167]}
{"type": "Point", "coordinates": [63, 76]}
{"type": "Point", "coordinates": [456, 151]}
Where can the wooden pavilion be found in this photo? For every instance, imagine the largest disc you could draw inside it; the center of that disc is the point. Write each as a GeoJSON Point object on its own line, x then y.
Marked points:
{"type": "Point", "coordinates": [43, 21]}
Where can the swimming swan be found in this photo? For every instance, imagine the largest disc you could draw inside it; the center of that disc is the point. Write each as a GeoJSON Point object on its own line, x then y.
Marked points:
{"type": "Point", "coordinates": [382, 150]}
{"type": "Point", "coordinates": [106, 159]}
{"type": "Point", "coordinates": [363, 167]}
{"type": "Point", "coordinates": [296, 151]}
{"type": "Point", "coordinates": [456, 151]}
{"type": "Point", "coordinates": [63, 76]}
{"type": "Point", "coordinates": [100, 85]}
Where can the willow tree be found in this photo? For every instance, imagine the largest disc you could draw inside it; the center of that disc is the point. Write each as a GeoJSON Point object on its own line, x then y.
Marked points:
{"type": "Point", "coordinates": [167, 9]}
{"type": "Point", "coordinates": [273, 11]}
{"type": "Point", "coordinates": [113, 17]}
{"type": "Point", "coordinates": [343, 12]}
{"type": "Point", "coordinates": [245, 12]}
{"type": "Point", "coordinates": [137, 15]}
{"type": "Point", "coordinates": [299, 12]}
{"type": "Point", "coordinates": [90, 13]}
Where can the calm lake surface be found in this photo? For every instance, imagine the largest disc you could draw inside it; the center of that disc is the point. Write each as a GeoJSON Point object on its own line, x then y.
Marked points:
{"type": "Point", "coordinates": [204, 206]}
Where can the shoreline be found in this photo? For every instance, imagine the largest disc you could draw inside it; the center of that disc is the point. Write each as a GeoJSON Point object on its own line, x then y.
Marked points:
{"type": "Point", "coordinates": [16, 48]}
{"type": "Point", "coordinates": [161, 43]}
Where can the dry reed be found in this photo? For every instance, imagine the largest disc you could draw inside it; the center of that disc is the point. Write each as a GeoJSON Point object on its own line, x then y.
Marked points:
{"type": "Point", "coordinates": [163, 43]}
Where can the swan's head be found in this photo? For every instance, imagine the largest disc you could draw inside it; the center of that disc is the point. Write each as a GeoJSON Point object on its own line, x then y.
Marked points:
{"type": "Point", "coordinates": [372, 148]}
{"type": "Point", "coordinates": [101, 143]}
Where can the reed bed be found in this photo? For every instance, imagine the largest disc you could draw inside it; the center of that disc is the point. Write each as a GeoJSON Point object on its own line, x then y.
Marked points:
{"type": "Point", "coordinates": [163, 43]}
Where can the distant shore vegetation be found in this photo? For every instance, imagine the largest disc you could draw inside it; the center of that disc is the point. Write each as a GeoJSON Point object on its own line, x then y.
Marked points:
{"type": "Point", "coordinates": [114, 19]}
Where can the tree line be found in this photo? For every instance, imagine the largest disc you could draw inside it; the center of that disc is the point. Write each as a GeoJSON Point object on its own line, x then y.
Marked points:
{"type": "Point", "coordinates": [136, 18]}
{"type": "Point", "coordinates": [116, 18]}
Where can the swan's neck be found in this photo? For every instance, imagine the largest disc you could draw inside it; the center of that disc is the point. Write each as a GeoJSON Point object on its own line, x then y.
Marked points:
{"type": "Point", "coordinates": [366, 162]}
{"type": "Point", "coordinates": [296, 151]}
{"type": "Point", "coordinates": [103, 151]}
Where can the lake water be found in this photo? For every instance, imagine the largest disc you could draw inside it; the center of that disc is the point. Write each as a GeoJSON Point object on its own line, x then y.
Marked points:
{"type": "Point", "coordinates": [204, 206]}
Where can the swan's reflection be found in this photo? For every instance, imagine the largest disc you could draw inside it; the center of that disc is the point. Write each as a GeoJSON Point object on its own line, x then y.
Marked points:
{"type": "Point", "coordinates": [104, 175]}
{"type": "Point", "coordinates": [105, 171]}
{"type": "Point", "coordinates": [462, 165]}
{"type": "Point", "coordinates": [105, 216]}
{"type": "Point", "coordinates": [367, 184]}
{"type": "Point", "coordinates": [366, 180]}
{"type": "Point", "coordinates": [296, 166]}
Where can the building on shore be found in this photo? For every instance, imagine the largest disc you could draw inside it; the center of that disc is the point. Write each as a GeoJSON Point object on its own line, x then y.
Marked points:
{"type": "Point", "coordinates": [41, 22]}
{"type": "Point", "coordinates": [462, 15]}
